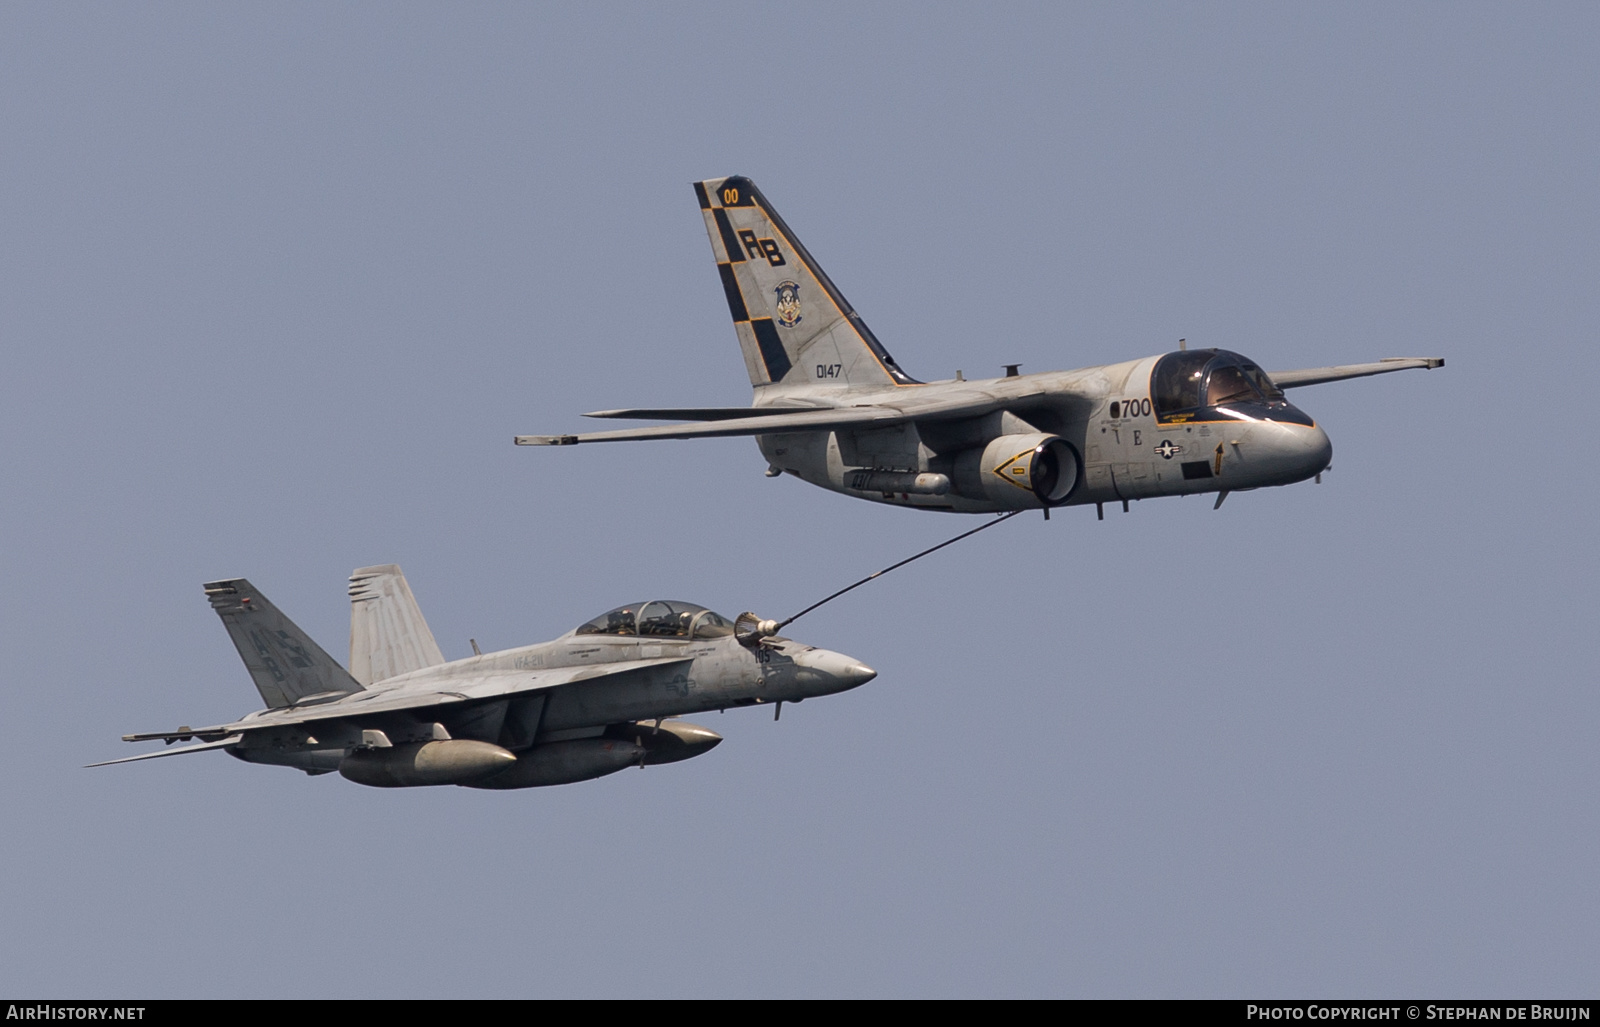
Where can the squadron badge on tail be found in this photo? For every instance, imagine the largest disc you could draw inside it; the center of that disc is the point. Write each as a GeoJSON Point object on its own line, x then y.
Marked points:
{"type": "Point", "coordinates": [788, 305]}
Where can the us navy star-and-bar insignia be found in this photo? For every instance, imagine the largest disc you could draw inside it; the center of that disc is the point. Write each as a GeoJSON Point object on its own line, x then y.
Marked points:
{"type": "Point", "coordinates": [1167, 449]}
{"type": "Point", "coordinates": [788, 306]}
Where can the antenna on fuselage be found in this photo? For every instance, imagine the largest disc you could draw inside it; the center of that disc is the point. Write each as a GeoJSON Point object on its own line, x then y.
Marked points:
{"type": "Point", "coordinates": [1183, 344]}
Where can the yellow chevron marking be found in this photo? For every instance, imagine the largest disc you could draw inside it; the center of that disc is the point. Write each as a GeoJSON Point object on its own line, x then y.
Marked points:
{"type": "Point", "coordinates": [1019, 472]}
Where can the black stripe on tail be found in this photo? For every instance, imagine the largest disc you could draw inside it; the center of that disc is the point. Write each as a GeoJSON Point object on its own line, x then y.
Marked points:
{"type": "Point", "coordinates": [748, 195]}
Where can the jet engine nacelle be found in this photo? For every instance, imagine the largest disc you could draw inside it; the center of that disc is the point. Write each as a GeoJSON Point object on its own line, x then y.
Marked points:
{"type": "Point", "coordinates": [1020, 472]}
{"type": "Point", "coordinates": [456, 761]}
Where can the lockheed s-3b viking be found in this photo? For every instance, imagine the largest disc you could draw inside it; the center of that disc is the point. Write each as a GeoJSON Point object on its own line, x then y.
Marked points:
{"type": "Point", "coordinates": [833, 408]}
{"type": "Point", "coordinates": [592, 702]}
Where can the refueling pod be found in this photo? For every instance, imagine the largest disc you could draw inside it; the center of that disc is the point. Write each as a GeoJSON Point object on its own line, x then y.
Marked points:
{"type": "Point", "coordinates": [622, 746]}
{"type": "Point", "coordinates": [455, 761]}
{"type": "Point", "coordinates": [560, 763]}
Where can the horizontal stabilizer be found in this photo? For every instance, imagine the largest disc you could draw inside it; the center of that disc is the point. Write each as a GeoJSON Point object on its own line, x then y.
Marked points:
{"type": "Point", "coordinates": [222, 744]}
{"type": "Point", "coordinates": [1318, 375]}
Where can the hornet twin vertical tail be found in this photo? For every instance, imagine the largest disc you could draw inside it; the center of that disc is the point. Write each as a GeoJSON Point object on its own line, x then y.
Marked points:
{"type": "Point", "coordinates": [286, 665]}
{"type": "Point", "coordinates": [388, 636]}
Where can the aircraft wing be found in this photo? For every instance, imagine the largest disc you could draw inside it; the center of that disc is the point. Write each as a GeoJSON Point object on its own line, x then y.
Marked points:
{"type": "Point", "coordinates": [763, 424]}
{"type": "Point", "coordinates": [943, 406]}
{"type": "Point", "coordinates": [221, 743]}
{"type": "Point", "coordinates": [432, 691]}
{"type": "Point", "coordinates": [688, 413]}
{"type": "Point", "coordinates": [1318, 375]}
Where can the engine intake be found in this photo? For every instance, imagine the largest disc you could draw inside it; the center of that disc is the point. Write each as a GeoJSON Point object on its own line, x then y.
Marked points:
{"type": "Point", "coordinates": [1020, 472]}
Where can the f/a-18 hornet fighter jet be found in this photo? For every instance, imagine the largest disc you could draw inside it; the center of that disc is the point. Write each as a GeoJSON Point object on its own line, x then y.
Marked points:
{"type": "Point", "coordinates": [833, 408]}
{"type": "Point", "coordinates": [590, 703]}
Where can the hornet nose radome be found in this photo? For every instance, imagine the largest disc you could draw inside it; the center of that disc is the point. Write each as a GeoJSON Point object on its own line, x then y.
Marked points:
{"type": "Point", "coordinates": [857, 673]}
{"type": "Point", "coordinates": [822, 672]}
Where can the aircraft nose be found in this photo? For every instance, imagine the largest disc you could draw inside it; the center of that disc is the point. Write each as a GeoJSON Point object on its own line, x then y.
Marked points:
{"type": "Point", "coordinates": [833, 672]}
{"type": "Point", "coordinates": [1296, 452]}
{"type": "Point", "coordinates": [857, 673]}
{"type": "Point", "coordinates": [1317, 449]}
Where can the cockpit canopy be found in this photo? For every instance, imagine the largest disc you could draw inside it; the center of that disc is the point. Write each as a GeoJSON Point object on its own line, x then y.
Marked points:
{"type": "Point", "coordinates": [1186, 383]}
{"type": "Point", "coordinates": [660, 618]}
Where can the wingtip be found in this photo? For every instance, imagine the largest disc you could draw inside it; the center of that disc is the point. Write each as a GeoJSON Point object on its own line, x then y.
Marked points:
{"type": "Point", "coordinates": [546, 440]}
{"type": "Point", "coordinates": [1428, 363]}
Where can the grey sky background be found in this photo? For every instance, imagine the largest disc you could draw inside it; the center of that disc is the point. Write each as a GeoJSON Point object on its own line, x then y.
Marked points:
{"type": "Point", "coordinates": [278, 283]}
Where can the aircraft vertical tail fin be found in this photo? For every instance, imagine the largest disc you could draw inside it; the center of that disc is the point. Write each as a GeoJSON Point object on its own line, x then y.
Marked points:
{"type": "Point", "coordinates": [286, 665]}
{"type": "Point", "coordinates": [793, 323]}
{"type": "Point", "coordinates": [388, 635]}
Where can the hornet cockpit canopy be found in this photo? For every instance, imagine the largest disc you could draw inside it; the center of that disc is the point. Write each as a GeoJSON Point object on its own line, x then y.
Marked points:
{"type": "Point", "coordinates": [1216, 384]}
{"type": "Point", "coordinates": [660, 618]}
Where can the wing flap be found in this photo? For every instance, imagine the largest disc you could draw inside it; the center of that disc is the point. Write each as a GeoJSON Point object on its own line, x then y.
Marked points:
{"type": "Point", "coordinates": [1319, 375]}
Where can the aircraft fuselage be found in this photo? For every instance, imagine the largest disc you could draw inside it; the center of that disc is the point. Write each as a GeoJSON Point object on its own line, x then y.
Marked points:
{"type": "Point", "coordinates": [1123, 446]}
{"type": "Point", "coordinates": [716, 674]}
{"type": "Point", "coordinates": [833, 407]}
